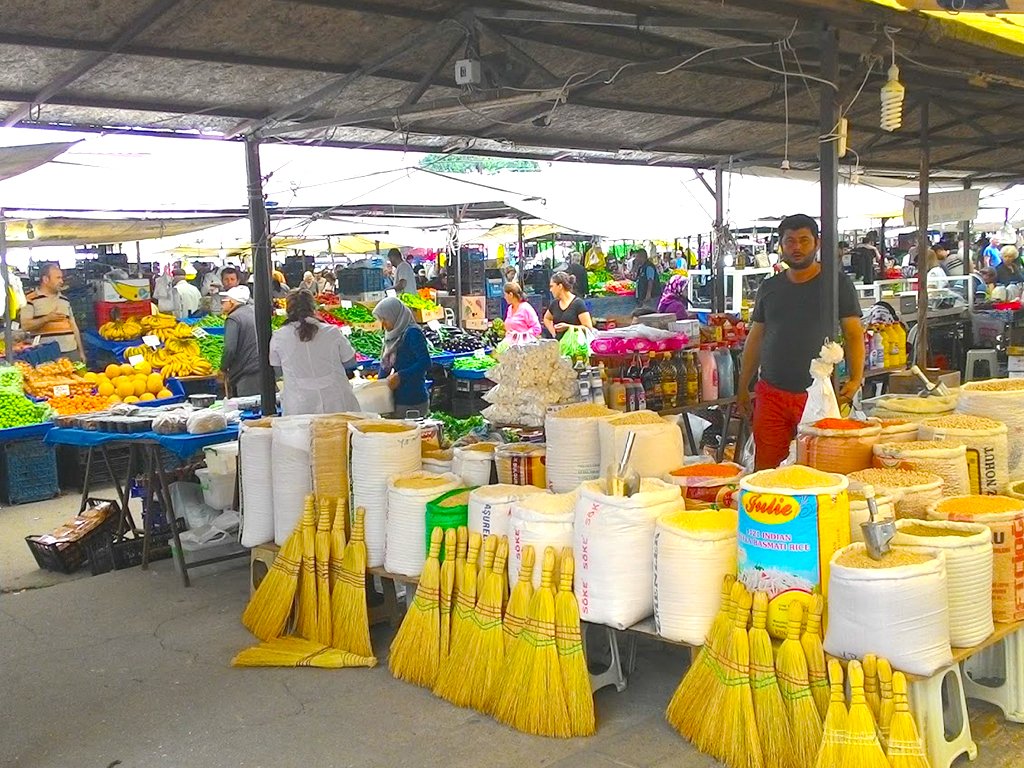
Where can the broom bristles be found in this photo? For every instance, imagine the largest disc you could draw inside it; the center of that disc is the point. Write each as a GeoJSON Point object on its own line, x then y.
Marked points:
{"type": "Point", "coordinates": [297, 652]}
{"type": "Point", "coordinates": [447, 592]}
{"type": "Point", "coordinates": [322, 548]}
{"type": "Point", "coordinates": [871, 694]}
{"type": "Point", "coordinates": [791, 668]}
{"type": "Point", "coordinates": [887, 704]}
{"type": "Point", "coordinates": [453, 681]}
{"type": "Point", "coordinates": [351, 625]}
{"type": "Point", "coordinates": [769, 708]}
{"type": "Point", "coordinates": [537, 704]}
{"type": "Point", "coordinates": [519, 602]}
{"type": "Point", "coordinates": [415, 651]}
{"type": "Point", "coordinates": [861, 748]}
{"type": "Point", "coordinates": [905, 747]}
{"type": "Point", "coordinates": [488, 642]}
{"type": "Point", "coordinates": [830, 755]}
{"type": "Point", "coordinates": [817, 675]}
{"type": "Point", "coordinates": [461, 546]}
{"type": "Point", "coordinates": [305, 609]}
{"type": "Point", "coordinates": [684, 709]}
{"type": "Point", "coordinates": [268, 610]}
{"type": "Point", "coordinates": [740, 742]}
{"type": "Point", "coordinates": [572, 661]}
{"type": "Point", "coordinates": [337, 542]}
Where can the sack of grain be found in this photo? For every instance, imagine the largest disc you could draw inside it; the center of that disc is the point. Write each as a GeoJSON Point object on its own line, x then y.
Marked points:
{"type": "Point", "coordinates": [897, 430]}
{"type": "Point", "coordinates": [329, 454]}
{"type": "Point", "coordinates": [968, 550]}
{"type": "Point", "coordinates": [657, 450]}
{"type": "Point", "coordinates": [693, 552]}
{"type": "Point", "coordinates": [1002, 398]}
{"type": "Point", "coordinates": [405, 550]}
{"type": "Point", "coordinates": [541, 520]}
{"type": "Point", "coordinates": [574, 445]}
{"type": "Point", "coordinates": [837, 445]}
{"type": "Point", "coordinates": [791, 520]}
{"type": "Point", "coordinates": [256, 486]}
{"type": "Point", "coordinates": [707, 483]}
{"type": "Point", "coordinates": [912, 491]}
{"type": "Point", "coordinates": [474, 463]}
{"type": "Point", "coordinates": [945, 458]}
{"type": "Point", "coordinates": [614, 550]}
{"type": "Point", "coordinates": [1004, 516]}
{"type": "Point", "coordinates": [859, 512]}
{"type": "Point", "coordinates": [521, 464]}
{"type": "Point", "coordinates": [293, 476]}
{"type": "Point", "coordinates": [378, 450]}
{"type": "Point", "coordinates": [895, 608]}
{"type": "Point", "coordinates": [490, 507]}
{"type": "Point", "coordinates": [987, 449]}
{"type": "Point", "coordinates": [913, 407]}
{"type": "Point", "coordinates": [449, 510]}
{"type": "Point", "coordinates": [437, 460]}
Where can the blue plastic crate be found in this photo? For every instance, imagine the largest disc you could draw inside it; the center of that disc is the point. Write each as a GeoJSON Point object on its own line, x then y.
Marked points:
{"type": "Point", "coordinates": [28, 471]}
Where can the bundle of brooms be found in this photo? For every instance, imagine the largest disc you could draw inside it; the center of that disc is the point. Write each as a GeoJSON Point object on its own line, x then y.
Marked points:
{"type": "Point", "coordinates": [331, 621]}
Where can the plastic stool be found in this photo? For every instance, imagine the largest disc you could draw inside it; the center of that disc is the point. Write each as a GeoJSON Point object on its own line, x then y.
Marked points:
{"type": "Point", "coordinates": [940, 709]}
{"type": "Point", "coordinates": [261, 557]}
{"type": "Point", "coordinates": [996, 675]}
{"type": "Point", "coordinates": [614, 673]}
{"type": "Point", "coordinates": [981, 364]}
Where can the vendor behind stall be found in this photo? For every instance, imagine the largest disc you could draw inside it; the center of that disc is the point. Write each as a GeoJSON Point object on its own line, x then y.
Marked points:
{"type": "Point", "coordinates": [48, 314]}
{"type": "Point", "coordinates": [405, 358]}
{"type": "Point", "coordinates": [1009, 270]}
{"type": "Point", "coordinates": [521, 318]}
{"type": "Point", "coordinates": [240, 361]}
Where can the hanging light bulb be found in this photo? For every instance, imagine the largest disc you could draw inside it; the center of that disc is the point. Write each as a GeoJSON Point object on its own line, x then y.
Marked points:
{"type": "Point", "coordinates": [30, 232]}
{"type": "Point", "coordinates": [892, 101]}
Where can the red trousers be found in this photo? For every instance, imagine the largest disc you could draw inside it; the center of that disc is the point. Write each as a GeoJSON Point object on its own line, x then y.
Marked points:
{"type": "Point", "coordinates": [776, 415]}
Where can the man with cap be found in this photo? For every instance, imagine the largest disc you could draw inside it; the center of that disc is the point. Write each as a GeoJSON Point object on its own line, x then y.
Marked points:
{"type": "Point", "coordinates": [240, 361]}
{"type": "Point", "coordinates": [186, 297]}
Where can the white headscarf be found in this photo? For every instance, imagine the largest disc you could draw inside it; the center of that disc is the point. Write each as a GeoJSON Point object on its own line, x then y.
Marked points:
{"type": "Point", "coordinates": [397, 315]}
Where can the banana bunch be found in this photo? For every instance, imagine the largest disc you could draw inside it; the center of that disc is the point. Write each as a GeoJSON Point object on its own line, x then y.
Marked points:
{"type": "Point", "coordinates": [121, 330]}
{"type": "Point", "coordinates": [156, 322]}
{"type": "Point", "coordinates": [182, 346]}
{"type": "Point", "coordinates": [186, 365]}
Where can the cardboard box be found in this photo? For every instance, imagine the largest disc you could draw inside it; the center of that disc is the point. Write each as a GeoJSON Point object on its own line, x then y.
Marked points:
{"type": "Point", "coordinates": [691, 328]}
{"type": "Point", "coordinates": [474, 313]}
{"type": "Point", "coordinates": [123, 290]}
{"type": "Point", "coordinates": [426, 315]}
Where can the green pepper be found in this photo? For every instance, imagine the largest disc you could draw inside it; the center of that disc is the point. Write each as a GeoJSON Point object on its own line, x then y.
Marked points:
{"type": "Point", "coordinates": [415, 301]}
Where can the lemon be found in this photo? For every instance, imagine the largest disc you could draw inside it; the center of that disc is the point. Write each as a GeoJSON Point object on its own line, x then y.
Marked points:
{"type": "Point", "coordinates": [105, 388]}
{"type": "Point", "coordinates": [127, 370]}
{"type": "Point", "coordinates": [139, 386]}
{"type": "Point", "coordinates": [146, 396]}
{"type": "Point", "coordinates": [131, 399]}
{"type": "Point", "coordinates": [90, 377]}
{"type": "Point", "coordinates": [125, 388]}
{"type": "Point", "coordinates": [144, 368]}
{"type": "Point", "coordinates": [163, 394]}
{"type": "Point", "coordinates": [113, 371]}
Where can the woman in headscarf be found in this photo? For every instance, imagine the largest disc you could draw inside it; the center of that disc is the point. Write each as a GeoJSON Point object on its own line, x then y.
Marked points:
{"type": "Point", "coordinates": [674, 298]}
{"type": "Point", "coordinates": [313, 357]}
{"type": "Point", "coordinates": [405, 359]}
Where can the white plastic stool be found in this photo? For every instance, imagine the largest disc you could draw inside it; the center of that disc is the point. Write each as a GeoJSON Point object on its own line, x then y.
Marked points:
{"type": "Point", "coordinates": [940, 709]}
{"type": "Point", "coordinates": [614, 674]}
{"type": "Point", "coordinates": [996, 675]}
{"type": "Point", "coordinates": [981, 359]}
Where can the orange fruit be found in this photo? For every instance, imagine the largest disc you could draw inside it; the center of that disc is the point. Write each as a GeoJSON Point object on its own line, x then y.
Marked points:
{"type": "Point", "coordinates": [90, 377]}
{"type": "Point", "coordinates": [105, 388]}
{"type": "Point", "coordinates": [112, 371]}
{"type": "Point", "coordinates": [164, 393]}
{"type": "Point", "coordinates": [146, 396]}
{"type": "Point", "coordinates": [131, 399]}
{"type": "Point", "coordinates": [144, 368]}
{"type": "Point", "coordinates": [127, 370]}
{"type": "Point", "coordinates": [139, 386]}
{"type": "Point", "coordinates": [114, 399]}
{"type": "Point", "coordinates": [125, 388]}
{"type": "Point", "coordinates": [154, 383]}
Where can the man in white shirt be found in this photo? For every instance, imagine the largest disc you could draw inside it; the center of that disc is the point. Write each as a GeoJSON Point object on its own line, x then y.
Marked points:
{"type": "Point", "coordinates": [186, 296]}
{"type": "Point", "coordinates": [405, 279]}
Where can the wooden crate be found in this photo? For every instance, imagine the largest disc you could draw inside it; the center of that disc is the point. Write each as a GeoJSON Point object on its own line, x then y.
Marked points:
{"type": "Point", "coordinates": [426, 315]}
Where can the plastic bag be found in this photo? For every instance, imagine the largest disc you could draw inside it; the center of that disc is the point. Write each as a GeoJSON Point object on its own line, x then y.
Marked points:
{"type": "Point", "coordinates": [205, 421]}
{"type": "Point", "coordinates": [821, 397]}
{"type": "Point", "coordinates": [171, 423]}
{"type": "Point", "coordinates": [576, 342]}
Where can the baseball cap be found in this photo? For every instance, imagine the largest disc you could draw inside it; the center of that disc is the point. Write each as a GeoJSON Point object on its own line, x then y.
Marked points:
{"type": "Point", "coordinates": [239, 293]}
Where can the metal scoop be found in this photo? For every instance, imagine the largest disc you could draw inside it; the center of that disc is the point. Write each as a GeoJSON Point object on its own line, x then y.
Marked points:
{"type": "Point", "coordinates": [929, 388]}
{"type": "Point", "coordinates": [877, 533]}
{"type": "Point", "coordinates": [623, 481]}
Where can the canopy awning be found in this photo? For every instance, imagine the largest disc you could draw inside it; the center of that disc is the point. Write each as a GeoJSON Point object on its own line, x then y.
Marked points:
{"type": "Point", "coordinates": [36, 233]}
{"type": "Point", "coordinates": [507, 233]}
{"type": "Point", "coordinates": [15, 161]}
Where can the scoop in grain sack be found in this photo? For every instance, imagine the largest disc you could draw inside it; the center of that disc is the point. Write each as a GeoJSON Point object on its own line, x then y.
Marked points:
{"type": "Point", "coordinates": [416, 649]}
{"type": "Point", "coordinates": [912, 491]}
{"type": "Point", "coordinates": [658, 446]}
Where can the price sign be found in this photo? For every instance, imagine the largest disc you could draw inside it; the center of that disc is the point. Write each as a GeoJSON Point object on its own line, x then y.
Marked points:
{"type": "Point", "coordinates": [390, 292]}
{"type": "Point", "coordinates": [151, 341]}
{"type": "Point", "coordinates": [134, 360]}
{"type": "Point", "coordinates": [36, 340]}
{"type": "Point", "coordinates": [346, 304]}
{"type": "Point", "coordinates": [199, 333]}
{"type": "Point", "coordinates": [61, 390]}
{"type": "Point", "coordinates": [479, 353]}
{"type": "Point", "coordinates": [434, 325]}
{"type": "Point", "coordinates": [346, 330]}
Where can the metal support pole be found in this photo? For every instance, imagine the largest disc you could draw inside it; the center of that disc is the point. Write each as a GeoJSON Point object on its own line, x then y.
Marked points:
{"type": "Point", "coordinates": [8, 314]}
{"type": "Point", "coordinates": [965, 227]}
{"type": "Point", "coordinates": [260, 235]}
{"type": "Point", "coordinates": [520, 257]}
{"type": "Point", "coordinates": [829, 177]}
{"type": "Point", "coordinates": [718, 297]}
{"type": "Point", "coordinates": [923, 245]}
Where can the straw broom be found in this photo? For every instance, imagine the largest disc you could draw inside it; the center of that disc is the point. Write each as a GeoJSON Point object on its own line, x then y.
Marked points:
{"type": "Point", "coordinates": [740, 742]}
{"type": "Point", "coordinates": [811, 642]}
{"type": "Point", "coordinates": [905, 747]}
{"type": "Point", "coordinates": [337, 543]}
{"type": "Point", "coordinates": [305, 609]}
{"type": "Point", "coordinates": [488, 641]}
{"type": "Point", "coordinates": [519, 602]}
{"type": "Point", "coordinates": [415, 651]}
{"type": "Point", "coordinates": [351, 625]}
{"type": "Point", "coordinates": [269, 608]}
{"type": "Point", "coordinates": [572, 661]}
{"type": "Point", "coordinates": [791, 668]}
{"type": "Point", "coordinates": [447, 592]}
{"type": "Point", "coordinates": [769, 709]}
{"type": "Point", "coordinates": [453, 680]}
{"type": "Point", "coordinates": [537, 704]}
{"type": "Point", "coordinates": [296, 652]}
{"type": "Point", "coordinates": [861, 749]}
{"type": "Point", "coordinates": [835, 720]}
{"type": "Point", "coordinates": [871, 694]}
{"type": "Point", "coordinates": [887, 704]}
{"type": "Point", "coordinates": [684, 711]}
{"type": "Point", "coordinates": [487, 560]}
{"type": "Point", "coordinates": [322, 549]}
{"type": "Point", "coordinates": [461, 544]}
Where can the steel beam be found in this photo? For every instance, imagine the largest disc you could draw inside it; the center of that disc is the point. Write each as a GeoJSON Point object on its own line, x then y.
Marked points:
{"type": "Point", "coordinates": [923, 244]}
{"type": "Point", "coordinates": [137, 26]}
{"type": "Point", "coordinates": [430, 76]}
{"type": "Point", "coordinates": [829, 176]}
{"type": "Point", "coordinates": [391, 9]}
{"type": "Point", "coordinates": [632, 21]}
{"type": "Point", "coordinates": [259, 232]}
{"type": "Point", "coordinates": [719, 255]}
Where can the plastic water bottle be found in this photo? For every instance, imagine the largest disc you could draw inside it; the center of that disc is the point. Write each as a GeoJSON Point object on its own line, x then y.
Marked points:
{"type": "Point", "coordinates": [726, 379]}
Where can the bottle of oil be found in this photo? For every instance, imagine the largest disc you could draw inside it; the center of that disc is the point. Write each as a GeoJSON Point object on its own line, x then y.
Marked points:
{"type": "Point", "coordinates": [669, 388]}
{"type": "Point", "coordinates": [692, 379]}
{"type": "Point", "coordinates": [651, 379]}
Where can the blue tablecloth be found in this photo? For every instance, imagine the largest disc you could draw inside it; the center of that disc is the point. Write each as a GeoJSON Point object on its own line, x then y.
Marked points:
{"type": "Point", "coordinates": [25, 433]}
{"type": "Point", "coordinates": [93, 340]}
{"type": "Point", "coordinates": [182, 446]}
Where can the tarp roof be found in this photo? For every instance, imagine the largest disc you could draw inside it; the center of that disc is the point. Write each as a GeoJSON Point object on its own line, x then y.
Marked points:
{"type": "Point", "coordinates": [69, 231]}
{"type": "Point", "coordinates": [15, 161]}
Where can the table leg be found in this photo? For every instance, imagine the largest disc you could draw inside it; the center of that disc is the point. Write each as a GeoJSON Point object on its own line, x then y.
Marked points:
{"type": "Point", "coordinates": [127, 523]}
{"type": "Point", "coordinates": [87, 480]}
{"type": "Point", "coordinates": [688, 432]}
{"type": "Point", "coordinates": [147, 504]}
{"type": "Point", "coordinates": [165, 496]}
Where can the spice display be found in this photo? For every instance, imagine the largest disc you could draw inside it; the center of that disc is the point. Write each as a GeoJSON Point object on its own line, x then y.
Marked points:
{"type": "Point", "coordinates": [841, 424]}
